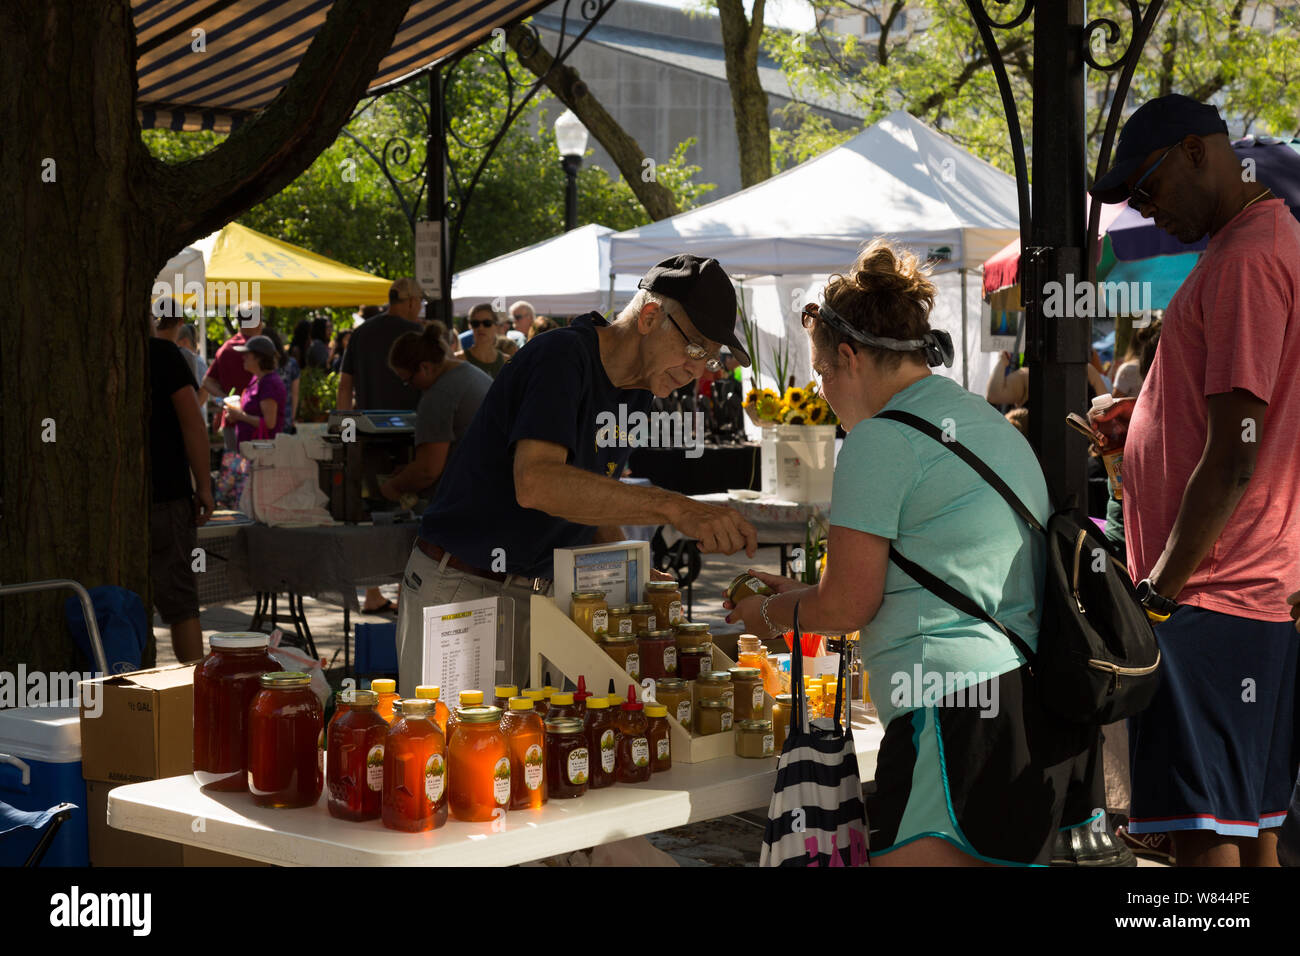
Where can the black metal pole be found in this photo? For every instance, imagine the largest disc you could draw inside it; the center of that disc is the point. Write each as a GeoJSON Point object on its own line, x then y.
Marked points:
{"type": "Point", "coordinates": [570, 164]}
{"type": "Point", "coordinates": [1057, 346]}
{"type": "Point", "coordinates": [439, 308]}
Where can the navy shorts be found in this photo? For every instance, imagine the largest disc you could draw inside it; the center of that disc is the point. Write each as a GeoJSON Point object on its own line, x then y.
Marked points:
{"type": "Point", "coordinates": [1217, 747]}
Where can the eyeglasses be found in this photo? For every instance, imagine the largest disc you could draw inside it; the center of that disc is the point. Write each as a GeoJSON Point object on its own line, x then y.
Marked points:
{"type": "Point", "coordinates": [694, 352]}
{"type": "Point", "coordinates": [1139, 196]}
{"type": "Point", "coordinates": [482, 323]}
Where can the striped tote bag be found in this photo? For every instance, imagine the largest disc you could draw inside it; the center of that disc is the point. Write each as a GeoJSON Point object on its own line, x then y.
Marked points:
{"type": "Point", "coordinates": [817, 817]}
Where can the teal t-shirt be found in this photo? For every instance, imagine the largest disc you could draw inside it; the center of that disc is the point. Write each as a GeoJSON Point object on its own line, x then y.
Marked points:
{"type": "Point", "coordinates": [893, 481]}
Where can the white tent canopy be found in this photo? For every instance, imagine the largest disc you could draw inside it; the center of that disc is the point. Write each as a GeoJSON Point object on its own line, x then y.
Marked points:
{"type": "Point", "coordinates": [566, 275]}
{"type": "Point", "coordinates": [898, 178]}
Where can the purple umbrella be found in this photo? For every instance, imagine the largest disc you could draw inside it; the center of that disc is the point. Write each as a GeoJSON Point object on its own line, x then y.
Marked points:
{"type": "Point", "coordinates": [1277, 165]}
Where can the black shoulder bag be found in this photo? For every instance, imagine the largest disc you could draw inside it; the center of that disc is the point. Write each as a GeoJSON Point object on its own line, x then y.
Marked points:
{"type": "Point", "coordinates": [1097, 659]}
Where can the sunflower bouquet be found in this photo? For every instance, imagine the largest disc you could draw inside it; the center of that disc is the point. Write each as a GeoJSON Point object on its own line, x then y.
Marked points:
{"type": "Point", "coordinates": [798, 406]}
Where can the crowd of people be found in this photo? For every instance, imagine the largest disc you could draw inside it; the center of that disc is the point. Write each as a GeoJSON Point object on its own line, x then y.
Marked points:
{"type": "Point", "coordinates": [506, 455]}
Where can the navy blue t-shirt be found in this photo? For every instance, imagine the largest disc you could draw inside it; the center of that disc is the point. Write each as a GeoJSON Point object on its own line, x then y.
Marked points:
{"type": "Point", "coordinates": [551, 390]}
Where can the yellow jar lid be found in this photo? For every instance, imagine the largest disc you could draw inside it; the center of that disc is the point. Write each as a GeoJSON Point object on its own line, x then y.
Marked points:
{"type": "Point", "coordinates": [521, 703]}
{"type": "Point", "coordinates": [562, 697]}
{"type": "Point", "coordinates": [471, 698]}
{"type": "Point", "coordinates": [506, 690]}
{"type": "Point", "coordinates": [533, 693]}
{"type": "Point", "coordinates": [597, 703]}
{"type": "Point", "coordinates": [428, 692]}
{"type": "Point", "coordinates": [549, 690]}
{"type": "Point", "coordinates": [383, 685]}
{"type": "Point", "coordinates": [656, 710]}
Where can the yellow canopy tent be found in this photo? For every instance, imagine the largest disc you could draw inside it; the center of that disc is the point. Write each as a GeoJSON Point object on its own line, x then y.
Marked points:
{"type": "Point", "coordinates": [286, 275]}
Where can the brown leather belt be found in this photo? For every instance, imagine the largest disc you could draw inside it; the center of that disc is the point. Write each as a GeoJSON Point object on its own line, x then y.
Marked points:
{"type": "Point", "coordinates": [436, 553]}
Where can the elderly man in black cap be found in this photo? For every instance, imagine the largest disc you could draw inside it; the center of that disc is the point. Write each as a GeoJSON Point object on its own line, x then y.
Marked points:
{"type": "Point", "coordinates": [1212, 494]}
{"type": "Point", "coordinates": [536, 445]}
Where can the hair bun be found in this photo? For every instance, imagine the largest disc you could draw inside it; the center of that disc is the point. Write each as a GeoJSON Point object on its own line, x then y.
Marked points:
{"type": "Point", "coordinates": [882, 269]}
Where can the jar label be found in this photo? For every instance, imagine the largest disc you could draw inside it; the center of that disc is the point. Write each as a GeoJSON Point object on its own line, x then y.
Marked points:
{"type": "Point", "coordinates": [650, 623]}
{"type": "Point", "coordinates": [769, 745]}
{"type": "Point", "coordinates": [501, 782]}
{"type": "Point", "coordinates": [600, 622]}
{"type": "Point", "coordinates": [625, 626]}
{"type": "Point", "coordinates": [640, 751]}
{"type": "Point", "coordinates": [375, 768]}
{"type": "Point", "coordinates": [533, 767]}
{"type": "Point", "coordinates": [675, 612]}
{"type": "Point", "coordinates": [729, 695]}
{"type": "Point", "coordinates": [758, 697]}
{"type": "Point", "coordinates": [662, 749]}
{"type": "Point", "coordinates": [608, 751]}
{"type": "Point", "coordinates": [684, 712]}
{"type": "Point", "coordinates": [577, 768]}
{"type": "Point", "coordinates": [670, 659]}
{"type": "Point", "coordinates": [726, 720]}
{"type": "Point", "coordinates": [435, 777]}
{"type": "Point", "coordinates": [633, 665]}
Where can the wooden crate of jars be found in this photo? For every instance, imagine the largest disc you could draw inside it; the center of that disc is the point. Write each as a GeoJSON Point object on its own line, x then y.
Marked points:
{"type": "Point", "coordinates": [555, 637]}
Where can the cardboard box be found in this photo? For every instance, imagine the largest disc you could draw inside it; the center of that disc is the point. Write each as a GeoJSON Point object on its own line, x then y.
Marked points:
{"type": "Point", "coordinates": [110, 847]}
{"type": "Point", "coordinates": [145, 728]}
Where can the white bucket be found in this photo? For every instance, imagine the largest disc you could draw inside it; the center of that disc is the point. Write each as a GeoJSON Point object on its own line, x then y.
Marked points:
{"type": "Point", "coordinates": [799, 462]}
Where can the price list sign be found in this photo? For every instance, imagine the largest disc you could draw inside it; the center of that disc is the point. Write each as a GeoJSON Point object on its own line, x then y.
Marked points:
{"type": "Point", "coordinates": [460, 642]}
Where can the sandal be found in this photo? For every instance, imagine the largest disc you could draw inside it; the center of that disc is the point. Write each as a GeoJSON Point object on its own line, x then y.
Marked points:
{"type": "Point", "coordinates": [388, 607]}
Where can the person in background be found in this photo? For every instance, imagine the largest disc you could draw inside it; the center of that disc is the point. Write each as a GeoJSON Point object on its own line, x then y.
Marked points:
{"type": "Point", "coordinates": [181, 494]}
{"type": "Point", "coordinates": [170, 324]}
{"type": "Point", "coordinates": [338, 348]}
{"type": "Point", "coordinates": [507, 346]}
{"type": "Point", "coordinates": [541, 324]}
{"type": "Point", "coordinates": [300, 342]}
{"type": "Point", "coordinates": [1010, 386]}
{"type": "Point", "coordinates": [365, 380]}
{"type": "Point", "coordinates": [957, 783]}
{"type": "Point", "coordinates": [229, 372]}
{"type": "Point", "coordinates": [260, 412]}
{"type": "Point", "coordinates": [1212, 495]}
{"type": "Point", "coordinates": [522, 315]}
{"type": "Point", "coordinates": [1020, 418]}
{"type": "Point", "coordinates": [451, 392]}
{"type": "Point", "coordinates": [483, 354]}
{"type": "Point", "coordinates": [290, 372]}
{"type": "Point", "coordinates": [1132, 372]}
{"type": "Point", "coordinates": [318, 352]}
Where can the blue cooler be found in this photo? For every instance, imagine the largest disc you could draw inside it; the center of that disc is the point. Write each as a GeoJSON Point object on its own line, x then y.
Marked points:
{"type": "Point", "coordinates": [48, 741]}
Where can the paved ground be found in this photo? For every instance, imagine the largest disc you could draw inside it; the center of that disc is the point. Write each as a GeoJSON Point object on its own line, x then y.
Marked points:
{"type": "Point", "coordinates": [727, 841]}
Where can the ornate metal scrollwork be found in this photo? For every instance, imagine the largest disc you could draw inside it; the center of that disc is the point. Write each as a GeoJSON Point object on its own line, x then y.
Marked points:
{"type": "Point", "coordinates": [982, 17]}
{"type": "Point", "coordinates": [394, 158]}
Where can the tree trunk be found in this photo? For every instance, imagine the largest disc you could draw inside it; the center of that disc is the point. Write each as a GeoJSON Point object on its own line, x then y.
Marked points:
{"type": "Point", "coordinates": [90, 217]}
{"type": "Point", "coordinates": [740, 47]}
{"type": "Point", "coordinates": [564, 81]}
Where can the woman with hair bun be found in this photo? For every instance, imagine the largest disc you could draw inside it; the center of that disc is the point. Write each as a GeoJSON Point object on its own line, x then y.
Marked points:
{"type": "Point", "coordinates": [971, 770]}
{"type": "Point", "coordinates": [451, 392]}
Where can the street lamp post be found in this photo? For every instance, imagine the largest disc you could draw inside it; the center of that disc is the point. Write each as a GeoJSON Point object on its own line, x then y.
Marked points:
{"type": "Point", "coordinates": [571, 138]}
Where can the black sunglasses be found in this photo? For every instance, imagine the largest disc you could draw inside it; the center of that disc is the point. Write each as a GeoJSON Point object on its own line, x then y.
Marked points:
{"type": "Point", "coordinates": [1139, 196]}
{"type": "Point", "coordinates": [482, 323]}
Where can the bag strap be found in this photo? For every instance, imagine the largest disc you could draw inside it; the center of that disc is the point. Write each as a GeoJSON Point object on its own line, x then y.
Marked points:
{"type": "Point", "coordinates": [798, 704]}
{"type": "Point", "coordinates": [968, 456]}
{"type": "Point", "coordinates": [935, 584]}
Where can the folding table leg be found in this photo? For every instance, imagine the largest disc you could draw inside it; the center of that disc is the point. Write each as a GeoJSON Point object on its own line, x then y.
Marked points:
{"type": "Point", "coordinates": [301, 616]}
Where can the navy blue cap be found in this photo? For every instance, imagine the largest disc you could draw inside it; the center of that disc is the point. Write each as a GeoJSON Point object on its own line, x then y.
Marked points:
{"type": "Point", "coordinates": [1154, 125]}
{"type": "Point", "coordinates": [705, 292]}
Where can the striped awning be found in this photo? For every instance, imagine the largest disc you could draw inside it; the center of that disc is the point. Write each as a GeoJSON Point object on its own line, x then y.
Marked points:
{"type": "Point", "coordinates": [252, 47]}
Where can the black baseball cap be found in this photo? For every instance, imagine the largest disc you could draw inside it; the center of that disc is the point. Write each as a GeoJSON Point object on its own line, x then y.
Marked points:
{"type": "Point", "coordinates": [1155, 124]}
{"type": "Point", "coordinates": [705, 292]}
{"type": "Point", "coordinates": [260, 344]}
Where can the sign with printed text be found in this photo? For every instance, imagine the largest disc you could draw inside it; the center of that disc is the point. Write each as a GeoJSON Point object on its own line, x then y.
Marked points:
{"type": "Point", "coordinates": [460, 642]}
{"type": "Point", "coordinates": [428, 257]}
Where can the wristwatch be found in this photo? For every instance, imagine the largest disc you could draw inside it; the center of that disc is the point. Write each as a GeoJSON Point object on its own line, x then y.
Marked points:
{"type": "Point", "coordinates": [1153, 601]}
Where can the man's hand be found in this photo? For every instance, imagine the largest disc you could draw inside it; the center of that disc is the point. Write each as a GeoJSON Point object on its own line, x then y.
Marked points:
{"type": "Point", "coordinates": [657, 575]}
{"type": "Point", "coordinates": [749, 612]}
{"type": "Point", "coordinates": [389, 491]}
{"type": "Point", "coordinates": [204, 506]}
{"type": "Point", "coordinates": [718, 528]}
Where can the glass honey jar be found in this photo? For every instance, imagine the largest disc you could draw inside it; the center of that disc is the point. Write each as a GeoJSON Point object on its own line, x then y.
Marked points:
{"type": "Point", "coordinates": [754, 739]}
{"type": "Point", "coordinates": [674, 694]}
{"type": "Point", "coordinates": [538, 697]}
{"type": "Point", "coordinates": [632, 762]}
{"type": "Point", "coordinates": [666, 598]}
{"type": "Point", "coordinates": [659, 736]}
{"type": "Point", "coordinates": [620, 621]}
{"type": "Point", "coordinates": [657, 654]}
{"type": "Point", "coordinates": [748, 699]}
{"type": "Point", "coordinates": [714, 685]}
{"type": "Point", "coordinates": [225, 683]}
{"type": "Point", "coordinates": [387, 691]}
{"type": "Point", "coordinates": [468, 698]}
{"type": "Point", "coordinates": [712, 716]}
{"type": "Point", "coordinates": [478, 765]}
{"type": "Point", "coordinates": [354, 760]}
{"type": "Point", "coordinates": [562, 704]}
{"type": "Point", "coordinates": [286, 732]}
{"type": "Point", "coordinates": [602, 742]}
{"type": "Point", "coordinates": [440, 711]}
{"type": "Point", "coordinates": [526, 741]}
{"type": "Point", "coordinates": [568, 758]}
{"type": "Point", "coordinates": [590, 612]}
{"type": "Point", "coordinates": [782, 704]}
{"type": "Point", "coordinates": [694, 660]}
{"type": "Point", "coordinates": [415, 769]}
{"type": "Point", "coordinates": [502, 694]}
{"type": "Point", "coordinates": [623, 650]}
{"type": "Point", "coordinates": [644, 618]}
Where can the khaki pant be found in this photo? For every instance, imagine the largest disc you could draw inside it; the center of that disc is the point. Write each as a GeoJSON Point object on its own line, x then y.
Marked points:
{"type": "Point", "coordinates": [427, 583]}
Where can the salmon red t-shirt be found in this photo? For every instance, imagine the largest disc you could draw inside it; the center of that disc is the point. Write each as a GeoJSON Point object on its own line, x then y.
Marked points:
{"type": "Point", "coordinates": [1234, 323]}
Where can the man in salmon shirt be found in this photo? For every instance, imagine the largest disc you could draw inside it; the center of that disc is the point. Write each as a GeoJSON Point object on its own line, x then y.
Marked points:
{"type": "Point", "coordinates": [1212, 495]}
